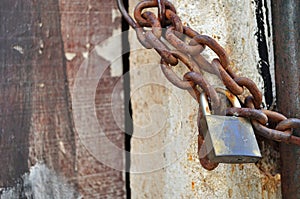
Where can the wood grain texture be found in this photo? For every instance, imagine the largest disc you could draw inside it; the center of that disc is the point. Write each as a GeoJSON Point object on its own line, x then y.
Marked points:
{"type": "Point", "coordinates": [37, 123]}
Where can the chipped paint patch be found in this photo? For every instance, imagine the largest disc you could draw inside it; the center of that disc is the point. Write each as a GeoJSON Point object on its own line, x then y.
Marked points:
{"type": "Point", "coordinates": [18, 48]}
{"type": "Point", "coordinates": [85, 54]}
{"type": "Point", "coordinates": [40, 182]}
{"type": "Point", "coordinates": [70, 56]}
{"type": "Point", "coordinates": [115, 13]}
{"type": "Point", "coordinates": [42, 85]}
{"type": "Point", "coordinates": [111, 50]}
{"type": "Point", "coordinates": [62, 147]}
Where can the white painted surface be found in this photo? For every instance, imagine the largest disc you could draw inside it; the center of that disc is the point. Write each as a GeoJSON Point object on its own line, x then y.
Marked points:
{"type": "Point", "coordinates": [112, 51]}
{"type": "Point", "coordinates": [165, 116]}
{"type": "Point", "coordinates": [41, 183]}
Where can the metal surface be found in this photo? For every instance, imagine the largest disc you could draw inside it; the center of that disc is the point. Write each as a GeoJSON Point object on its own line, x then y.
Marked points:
{"type": "Point", "coordinates": [228, 139]}
{"type": "Point", "coordinates": [286, 25]}
{"type": "Point", "coordinates": [125, 14]}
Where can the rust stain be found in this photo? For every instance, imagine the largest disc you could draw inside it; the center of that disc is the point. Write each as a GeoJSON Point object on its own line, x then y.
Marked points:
{"type": "Point", "coordinates": [233, 66]}
{"type": "Point", "coordinates": [190, 157]}
{"type": "Point", "coordinates": [193, 185]}
{"type": "Point", "coordinates": [232, 168]}
{"type": "Point", "coordinates": [191, 120]}
{"type": "Point", "coordinates": [207, 109]}
{"type": "Point", "coordinates": [271, 183]}
{"type": "Point", "coordinates": [230, 193]}
{"type": "Point", "coordinates": [191, 117]}
{"type": "Point", "coordinates": [243, 41]}
{"type": "Point", "coordinates": [241, 166]}
{"type": "Point", "coordinates": [231, 96]}
{"type": "Point", "coordinates": [216, 37]}
{"type": "Point", "coordinates": [249, 185]}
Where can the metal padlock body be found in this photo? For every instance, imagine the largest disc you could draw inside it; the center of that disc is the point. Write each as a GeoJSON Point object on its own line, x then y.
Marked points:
{"type": "Point", "coordinates": [228, 139]}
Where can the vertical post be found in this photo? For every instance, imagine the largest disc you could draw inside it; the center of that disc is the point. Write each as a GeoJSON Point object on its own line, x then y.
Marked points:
{"type": "Point", "coordinates": [286, 26]}
{"type": "Point", "coordinates": [164, 161]}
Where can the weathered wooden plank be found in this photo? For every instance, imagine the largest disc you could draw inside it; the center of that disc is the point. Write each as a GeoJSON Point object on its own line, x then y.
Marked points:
{"type": "Point", "coordinates": [37, 125]}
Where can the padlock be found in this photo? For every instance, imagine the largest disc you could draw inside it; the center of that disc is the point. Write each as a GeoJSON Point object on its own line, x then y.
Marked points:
{"type": "Point", "coordinates": [228, 139]}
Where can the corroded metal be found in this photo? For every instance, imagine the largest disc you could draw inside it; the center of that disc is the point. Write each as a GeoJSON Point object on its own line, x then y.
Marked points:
{"type": "Point", "coordinates": [164, 35]}
{"type": "Point", "coordinates": [161, 11]}
{"type": "Point", "coordinates": [286, 26]}
{"type": "Point", "coordinates": [125, 14]}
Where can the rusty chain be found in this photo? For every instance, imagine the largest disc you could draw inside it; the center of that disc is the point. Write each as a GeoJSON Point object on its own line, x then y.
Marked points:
{"type": "Point", "coordinates": [182, 43]}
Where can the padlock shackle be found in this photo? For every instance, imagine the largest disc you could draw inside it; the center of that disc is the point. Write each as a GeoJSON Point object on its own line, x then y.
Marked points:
{"type": "Point", "coordinates": [231, 97]}
{"type": "Point", "coordinates": [204, 102]}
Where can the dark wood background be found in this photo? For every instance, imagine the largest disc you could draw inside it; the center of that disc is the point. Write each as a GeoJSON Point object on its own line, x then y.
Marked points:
{"type": "Point", "coordinates": [36, 83]}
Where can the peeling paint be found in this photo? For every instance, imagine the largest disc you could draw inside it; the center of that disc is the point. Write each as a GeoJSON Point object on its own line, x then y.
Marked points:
{"type": "Point", "coordinates": [42, 85]}
{"type": "Point", "coordinates": [111, 50]}
{"type": "Point", "coordinates": [85, 54]}
{"type": "Point", "coordinates": [18, 48]}
{"type": "Point", "coordinates": [70, 56]}
{"type": "Point", "coordinates": [41, 44]}
{"type": "Point", "coordinates": [263, 49]}
{"type": "Point", "coordinates": [115, 14]}
{"type": "Point", "coordinates": [41, 182]}
{"type": "Point", "coordinates": [62, 147]}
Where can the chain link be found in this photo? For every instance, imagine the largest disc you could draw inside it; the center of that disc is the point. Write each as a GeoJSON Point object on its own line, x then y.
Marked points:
{"type": "Point", "coordinates": [187, 47]}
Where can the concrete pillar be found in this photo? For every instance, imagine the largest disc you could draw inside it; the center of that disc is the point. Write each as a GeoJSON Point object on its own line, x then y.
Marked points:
{"type": "Point", "coordinates": [164, 160]}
